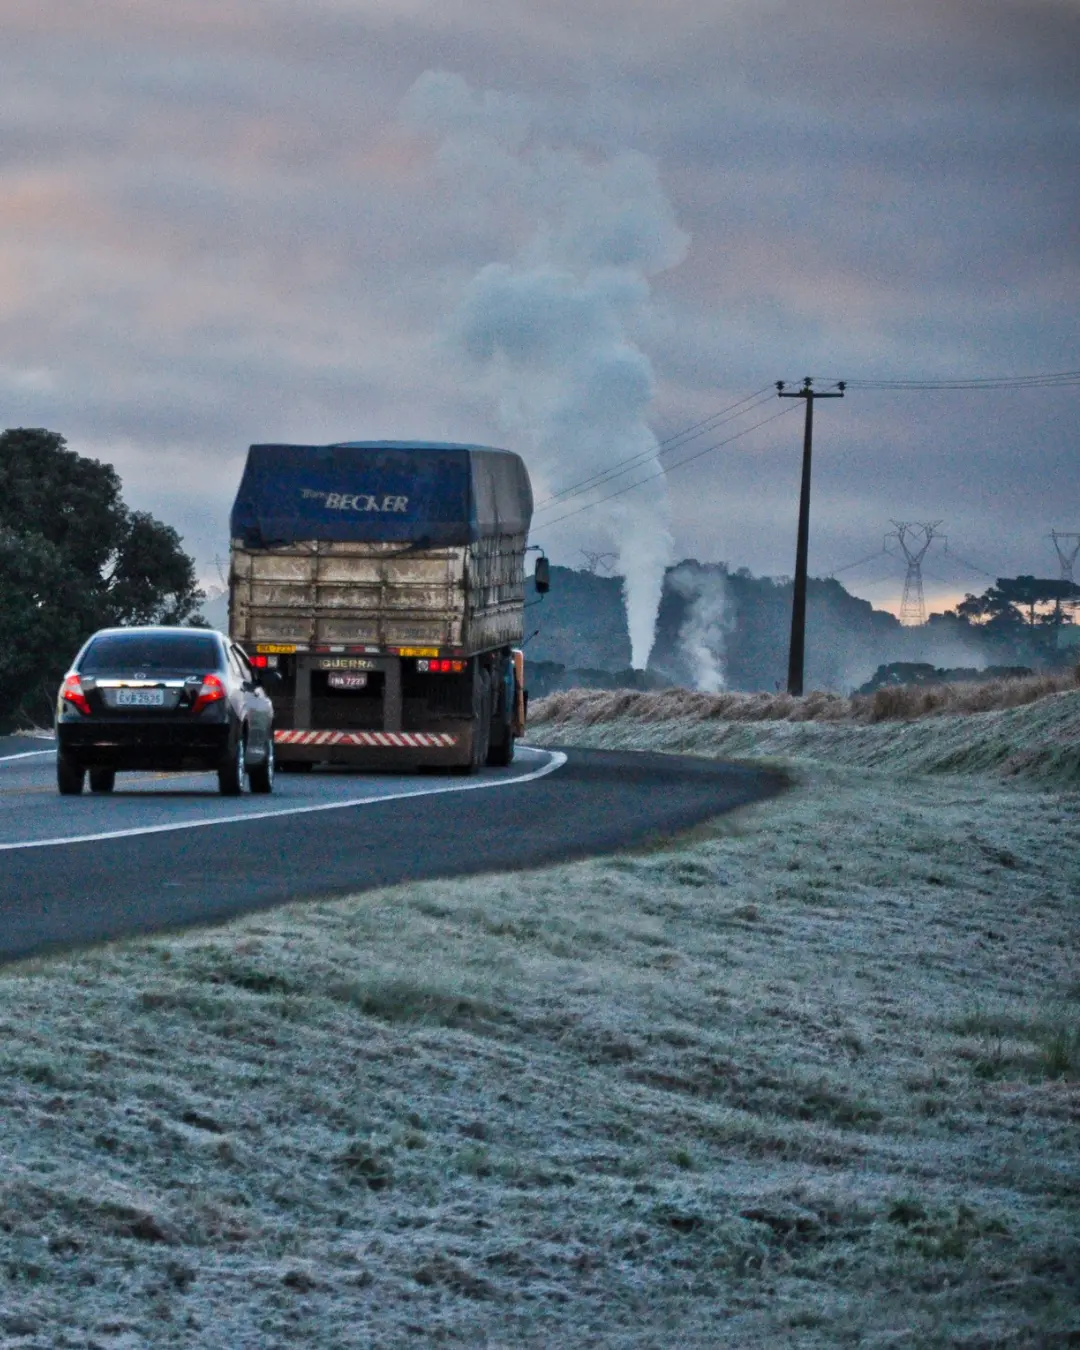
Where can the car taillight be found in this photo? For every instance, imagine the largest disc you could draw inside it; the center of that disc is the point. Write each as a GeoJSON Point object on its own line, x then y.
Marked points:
{"type": "Point", "coordinates": [212, 691]}
{"type": "Point", "coordinates": [71, 691]}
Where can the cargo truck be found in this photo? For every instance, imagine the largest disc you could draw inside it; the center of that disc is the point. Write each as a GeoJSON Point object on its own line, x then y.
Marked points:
{"type": "Point", "coordinates": [378, 588]}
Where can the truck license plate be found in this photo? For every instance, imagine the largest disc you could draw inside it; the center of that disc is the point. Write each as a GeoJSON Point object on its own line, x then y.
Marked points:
{"type": "Point", "coordinates": [140, 698]}
{"type": "Point", "coordinates": [346, 679]}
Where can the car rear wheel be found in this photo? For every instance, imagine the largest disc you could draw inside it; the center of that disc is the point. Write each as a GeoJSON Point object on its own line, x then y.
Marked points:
{"type": "Point", "coordinates": [102, 780]}
{"type": "Point", "coordinates": [231, 773]}
{"type": "Point", "coordinates": [69, 776]}
{"type": "Point", "coordinates": [261, 777]}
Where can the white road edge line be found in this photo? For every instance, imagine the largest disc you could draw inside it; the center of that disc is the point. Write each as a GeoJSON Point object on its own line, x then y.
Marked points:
{"type": "Point", "coordinates": [26, 754]}
{"type": "Point", "coordinates": [556, 761]}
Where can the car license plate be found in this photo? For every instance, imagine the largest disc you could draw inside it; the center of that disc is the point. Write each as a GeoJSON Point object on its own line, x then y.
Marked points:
{"type": "Point", "coordinates": [140, 698]}
{"type": "Point", "coordinates": [346, 679]}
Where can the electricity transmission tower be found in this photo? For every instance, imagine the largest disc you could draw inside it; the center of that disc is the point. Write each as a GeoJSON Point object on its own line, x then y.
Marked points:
{"type": "Point", "coordinates": [1068, 546]}
{"type": "Point", "coordinates": [914, 539]}
{"type": "Point", "coordinates": [597, 562]}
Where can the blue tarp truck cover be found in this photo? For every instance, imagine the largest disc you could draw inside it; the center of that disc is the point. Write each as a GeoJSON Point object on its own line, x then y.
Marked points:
{"type": "Point", "coordinates": [413, 492]}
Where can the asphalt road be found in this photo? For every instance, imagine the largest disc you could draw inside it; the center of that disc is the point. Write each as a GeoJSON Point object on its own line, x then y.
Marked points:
{"type": "Point", "coordinates": [166, 851]}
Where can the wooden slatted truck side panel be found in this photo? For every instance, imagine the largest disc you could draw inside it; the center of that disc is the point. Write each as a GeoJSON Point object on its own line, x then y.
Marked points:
{"type": "Point", "coordinates": [315, 592]}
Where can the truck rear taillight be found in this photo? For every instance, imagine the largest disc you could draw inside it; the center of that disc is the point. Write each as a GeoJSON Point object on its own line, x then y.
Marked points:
{"type": "Point", "coordinates": [441, 667]}
{"type": "Point", "coordinates": [71, 691]}
{"type": "Point", "coordinates": [212, 691]}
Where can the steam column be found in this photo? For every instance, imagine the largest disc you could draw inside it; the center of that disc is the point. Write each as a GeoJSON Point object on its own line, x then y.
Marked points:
{"type": "Point", "coordinates": [797, 649]}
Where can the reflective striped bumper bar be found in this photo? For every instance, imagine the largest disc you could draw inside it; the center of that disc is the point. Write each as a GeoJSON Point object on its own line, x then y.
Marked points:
{"type": "Point", "coordinates": [426, 740]}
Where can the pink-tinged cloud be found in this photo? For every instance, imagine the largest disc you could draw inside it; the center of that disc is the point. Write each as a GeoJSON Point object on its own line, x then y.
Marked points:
{"type": "Point", "coordinates": [213, 228]}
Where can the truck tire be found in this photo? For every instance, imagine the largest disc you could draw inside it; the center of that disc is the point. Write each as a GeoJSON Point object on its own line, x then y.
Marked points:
{"type": "Point", "coordinates": [501, 739]}
{"type": "Point", "coordinates": [102, 780]}
{"type": "Point", "coordinates": [502, 755]}
{"type": "Point", "coordinates": [481, 725]}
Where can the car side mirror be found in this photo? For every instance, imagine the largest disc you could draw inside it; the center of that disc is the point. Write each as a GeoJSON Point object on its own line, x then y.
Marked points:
{"type": "Point", "coordinates": [542, 576]}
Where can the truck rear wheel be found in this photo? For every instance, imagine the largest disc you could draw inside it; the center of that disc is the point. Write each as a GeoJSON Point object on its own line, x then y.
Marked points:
{"type": "Point", "coordinates": [481, 724]}
{"type": "Point", "coordinates": [499, 756]}
{"type": "Point", "coordinates": [501, 740]}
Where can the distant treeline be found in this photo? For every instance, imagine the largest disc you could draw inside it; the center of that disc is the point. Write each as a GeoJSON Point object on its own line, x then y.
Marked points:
{"type": "Point", "coordinates": [719, 628]}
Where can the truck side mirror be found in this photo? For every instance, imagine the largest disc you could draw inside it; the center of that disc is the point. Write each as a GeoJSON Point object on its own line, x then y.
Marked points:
{"type": "Point", "coordinates": [542, 576]}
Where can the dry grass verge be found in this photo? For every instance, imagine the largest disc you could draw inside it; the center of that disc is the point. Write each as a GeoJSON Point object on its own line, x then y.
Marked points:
{"type": "Point", "coordinates": [809, 1078]}
{"type": "Point", "coordinates": [896, 703]}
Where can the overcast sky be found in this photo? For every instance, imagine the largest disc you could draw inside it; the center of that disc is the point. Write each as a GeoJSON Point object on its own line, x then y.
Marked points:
{"type": "Point", "coordinates": [557, 226]}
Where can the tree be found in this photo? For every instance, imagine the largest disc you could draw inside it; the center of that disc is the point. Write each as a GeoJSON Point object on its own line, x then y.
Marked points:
{"type": "Point", "coordinates": [1018, 603]}
{"type": "Point", "coordinates": [149, 577]}
{"type": "Point", "coordinates": [74, 558]}
{"type": "Point", "coordinates": [39, 619]}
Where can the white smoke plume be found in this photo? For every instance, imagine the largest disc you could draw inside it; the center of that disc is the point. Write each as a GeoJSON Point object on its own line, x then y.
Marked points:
{"type": "Point", "coordinates": [551, 325]}
{"type": "Point", "coordinates": [705, 626]}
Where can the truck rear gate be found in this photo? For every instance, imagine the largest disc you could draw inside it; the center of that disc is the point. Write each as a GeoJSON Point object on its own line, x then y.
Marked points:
{"type": "Point", "coordinates": [376, 710]}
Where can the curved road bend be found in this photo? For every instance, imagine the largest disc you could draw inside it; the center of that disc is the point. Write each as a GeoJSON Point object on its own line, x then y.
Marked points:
{"type": "Point", "coordinates": [170, 852]}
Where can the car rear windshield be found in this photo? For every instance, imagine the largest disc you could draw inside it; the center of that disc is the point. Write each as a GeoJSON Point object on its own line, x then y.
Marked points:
{"type": "Point", "coordinates": [153, 653]}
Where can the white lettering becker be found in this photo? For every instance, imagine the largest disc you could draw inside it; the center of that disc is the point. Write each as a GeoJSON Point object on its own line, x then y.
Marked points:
{"type": "Point", "coordinates": [362, 501]}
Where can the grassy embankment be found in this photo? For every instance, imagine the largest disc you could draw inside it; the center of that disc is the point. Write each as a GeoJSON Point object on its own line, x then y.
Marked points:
{"type": "Point", "coordinates": [807, 1078]}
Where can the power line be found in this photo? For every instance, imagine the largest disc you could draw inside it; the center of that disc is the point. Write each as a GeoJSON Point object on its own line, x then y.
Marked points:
{"type": "Point", "coordinates": [881, 553]}
{"type": "Point", "coordinates": [1054, 379]}
{"type": "Point", "coordinates": [1063, 379]}
{"type": "Point", "coordinates": [664, 473]}
{"type": "Point", "coordinates": [964, 563]}
{"type": "Point", "coordinates": [884, 553]}
{"type": "Point", "coordinates": [673, 442]}
{"type": "Point", "coordinates": [666, 446]}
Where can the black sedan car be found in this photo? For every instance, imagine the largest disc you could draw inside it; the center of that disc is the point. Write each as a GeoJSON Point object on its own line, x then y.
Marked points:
{"type": "Point", "coordinates": [165, 699]}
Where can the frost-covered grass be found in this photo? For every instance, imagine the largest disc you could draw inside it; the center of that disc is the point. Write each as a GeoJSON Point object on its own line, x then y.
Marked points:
{"type": "Point", "coordinates": [1036, 742]}
{"type": "Point", "coordinates": [808, 1077]}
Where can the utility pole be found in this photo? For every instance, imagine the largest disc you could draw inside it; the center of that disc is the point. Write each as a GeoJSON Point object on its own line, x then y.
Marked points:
{"type": "Point", "coordinates": [797, 649]}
